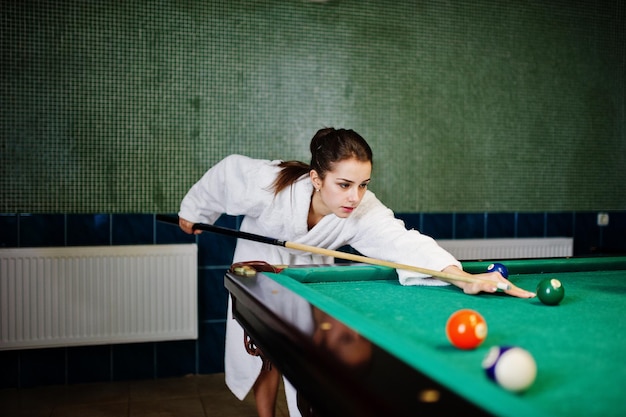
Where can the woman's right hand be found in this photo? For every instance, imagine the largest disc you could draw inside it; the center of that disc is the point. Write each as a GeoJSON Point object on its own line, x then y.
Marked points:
{"type": "Point", "coordinates": [187, 226]}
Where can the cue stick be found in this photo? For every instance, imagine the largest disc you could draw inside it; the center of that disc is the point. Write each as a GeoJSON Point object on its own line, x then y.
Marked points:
{"type": "Point", "coordinates": [444, 276]}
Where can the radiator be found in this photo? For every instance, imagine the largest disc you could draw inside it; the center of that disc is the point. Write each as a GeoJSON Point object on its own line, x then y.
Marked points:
{"type": "Point", "coordinates": [73, 296]}
{"type": "Point", "coordinates": [519, 248]}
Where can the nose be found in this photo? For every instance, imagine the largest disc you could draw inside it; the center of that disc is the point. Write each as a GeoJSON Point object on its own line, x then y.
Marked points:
{"type": "Point", "coordinates": [353, 195]}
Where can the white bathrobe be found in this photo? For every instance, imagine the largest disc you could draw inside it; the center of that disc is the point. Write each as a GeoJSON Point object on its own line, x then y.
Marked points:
{"type": "Point", "coordinates": [239, 185]}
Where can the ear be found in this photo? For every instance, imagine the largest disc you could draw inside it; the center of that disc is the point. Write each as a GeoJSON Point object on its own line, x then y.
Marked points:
{"type": "Point", "coordinates": [315, 179]}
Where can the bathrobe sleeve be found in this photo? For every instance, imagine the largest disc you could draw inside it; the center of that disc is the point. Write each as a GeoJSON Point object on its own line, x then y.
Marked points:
{"type": "Point", "coordinates": [378, 233]}
{"type": "Point", "coordinates": [237, 185]}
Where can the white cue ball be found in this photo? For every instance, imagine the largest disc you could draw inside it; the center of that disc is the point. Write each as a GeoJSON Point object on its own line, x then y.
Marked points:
{"type": "Point", "coordinates": [512, 367]}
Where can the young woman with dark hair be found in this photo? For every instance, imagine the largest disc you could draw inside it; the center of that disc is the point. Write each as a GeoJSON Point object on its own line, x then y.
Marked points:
{"type": "Point", "coordinates": [325, 204]}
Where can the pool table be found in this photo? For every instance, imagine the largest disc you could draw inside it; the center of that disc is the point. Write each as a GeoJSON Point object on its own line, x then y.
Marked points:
{"type": "Point", "coordinates": [353, 341]}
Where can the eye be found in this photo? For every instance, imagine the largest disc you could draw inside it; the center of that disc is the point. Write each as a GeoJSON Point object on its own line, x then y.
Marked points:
{"type": "Point", "coordinates": [344, 185]}
{"type": "Point", "coordinates": [364, 185]}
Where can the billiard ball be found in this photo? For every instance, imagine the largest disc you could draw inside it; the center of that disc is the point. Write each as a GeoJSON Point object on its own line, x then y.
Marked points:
{"type": "Point", "coordinates": [498, 267]}
{"type": "Point", "coordinates": [466, 329]}
{"type": "Point", "coordinates": [511, 367]}
{"type": "Point", "coordinates": [550, 291]}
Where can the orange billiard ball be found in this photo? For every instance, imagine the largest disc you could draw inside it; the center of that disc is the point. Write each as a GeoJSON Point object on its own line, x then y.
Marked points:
{"type": "Point", "coordinates": [466, 329]}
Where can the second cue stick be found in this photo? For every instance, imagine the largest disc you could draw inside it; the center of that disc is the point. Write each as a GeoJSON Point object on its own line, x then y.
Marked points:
{"type": "Point", "coordinates": [444, 276]}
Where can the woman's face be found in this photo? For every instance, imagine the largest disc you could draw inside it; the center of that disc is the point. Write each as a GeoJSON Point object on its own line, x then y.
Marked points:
{"type": "Point", "coordinates": [343, 188]}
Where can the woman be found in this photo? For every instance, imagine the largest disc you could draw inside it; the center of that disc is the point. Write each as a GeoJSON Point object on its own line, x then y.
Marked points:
{"type": "Point", "coordinates": [325, 204]}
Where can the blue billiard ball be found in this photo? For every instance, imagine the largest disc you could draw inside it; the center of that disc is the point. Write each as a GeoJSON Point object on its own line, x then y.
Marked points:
{"type": "Point", "coordinates": [498, 267]}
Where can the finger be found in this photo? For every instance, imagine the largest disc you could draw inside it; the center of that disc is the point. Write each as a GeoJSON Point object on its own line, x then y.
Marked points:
{"type": "Point", "coordinates": [519, 292]}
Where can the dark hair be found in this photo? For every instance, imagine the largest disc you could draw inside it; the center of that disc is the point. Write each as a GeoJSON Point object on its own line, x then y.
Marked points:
{"type": "Point", "coordinates": [328, 146]}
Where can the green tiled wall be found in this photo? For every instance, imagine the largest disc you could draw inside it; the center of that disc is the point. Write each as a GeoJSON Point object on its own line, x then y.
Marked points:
{"type": "Point", "coordinates": [469, 105]}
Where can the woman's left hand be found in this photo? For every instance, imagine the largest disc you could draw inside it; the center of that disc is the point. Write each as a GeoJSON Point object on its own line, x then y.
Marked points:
{"type": "Point", "coordinates": [488, 283]}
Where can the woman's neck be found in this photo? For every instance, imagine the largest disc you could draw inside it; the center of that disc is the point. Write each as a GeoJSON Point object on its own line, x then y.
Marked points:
{"type": "Point", "coordinates": [314, 216]}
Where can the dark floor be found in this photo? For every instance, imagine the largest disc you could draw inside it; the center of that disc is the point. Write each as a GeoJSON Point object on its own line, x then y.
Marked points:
{"type": "Point", "coordinates": [190, 396]}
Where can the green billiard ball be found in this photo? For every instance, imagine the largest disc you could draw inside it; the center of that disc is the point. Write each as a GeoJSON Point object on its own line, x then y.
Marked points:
{"type": "Point", "coordinates": [550, 291]}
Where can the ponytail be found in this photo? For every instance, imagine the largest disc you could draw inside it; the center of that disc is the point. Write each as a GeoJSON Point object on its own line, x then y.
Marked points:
{"type": "Point", "coordinates": [291, 171]}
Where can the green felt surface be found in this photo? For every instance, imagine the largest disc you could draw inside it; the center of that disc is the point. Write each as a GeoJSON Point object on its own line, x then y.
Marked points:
{"type": "Point", "coordinates": [578, 345]}
{"type": "Point", "coordinates": [333, 274]}
{"type": "Point", "coordinates": [537, 266]}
